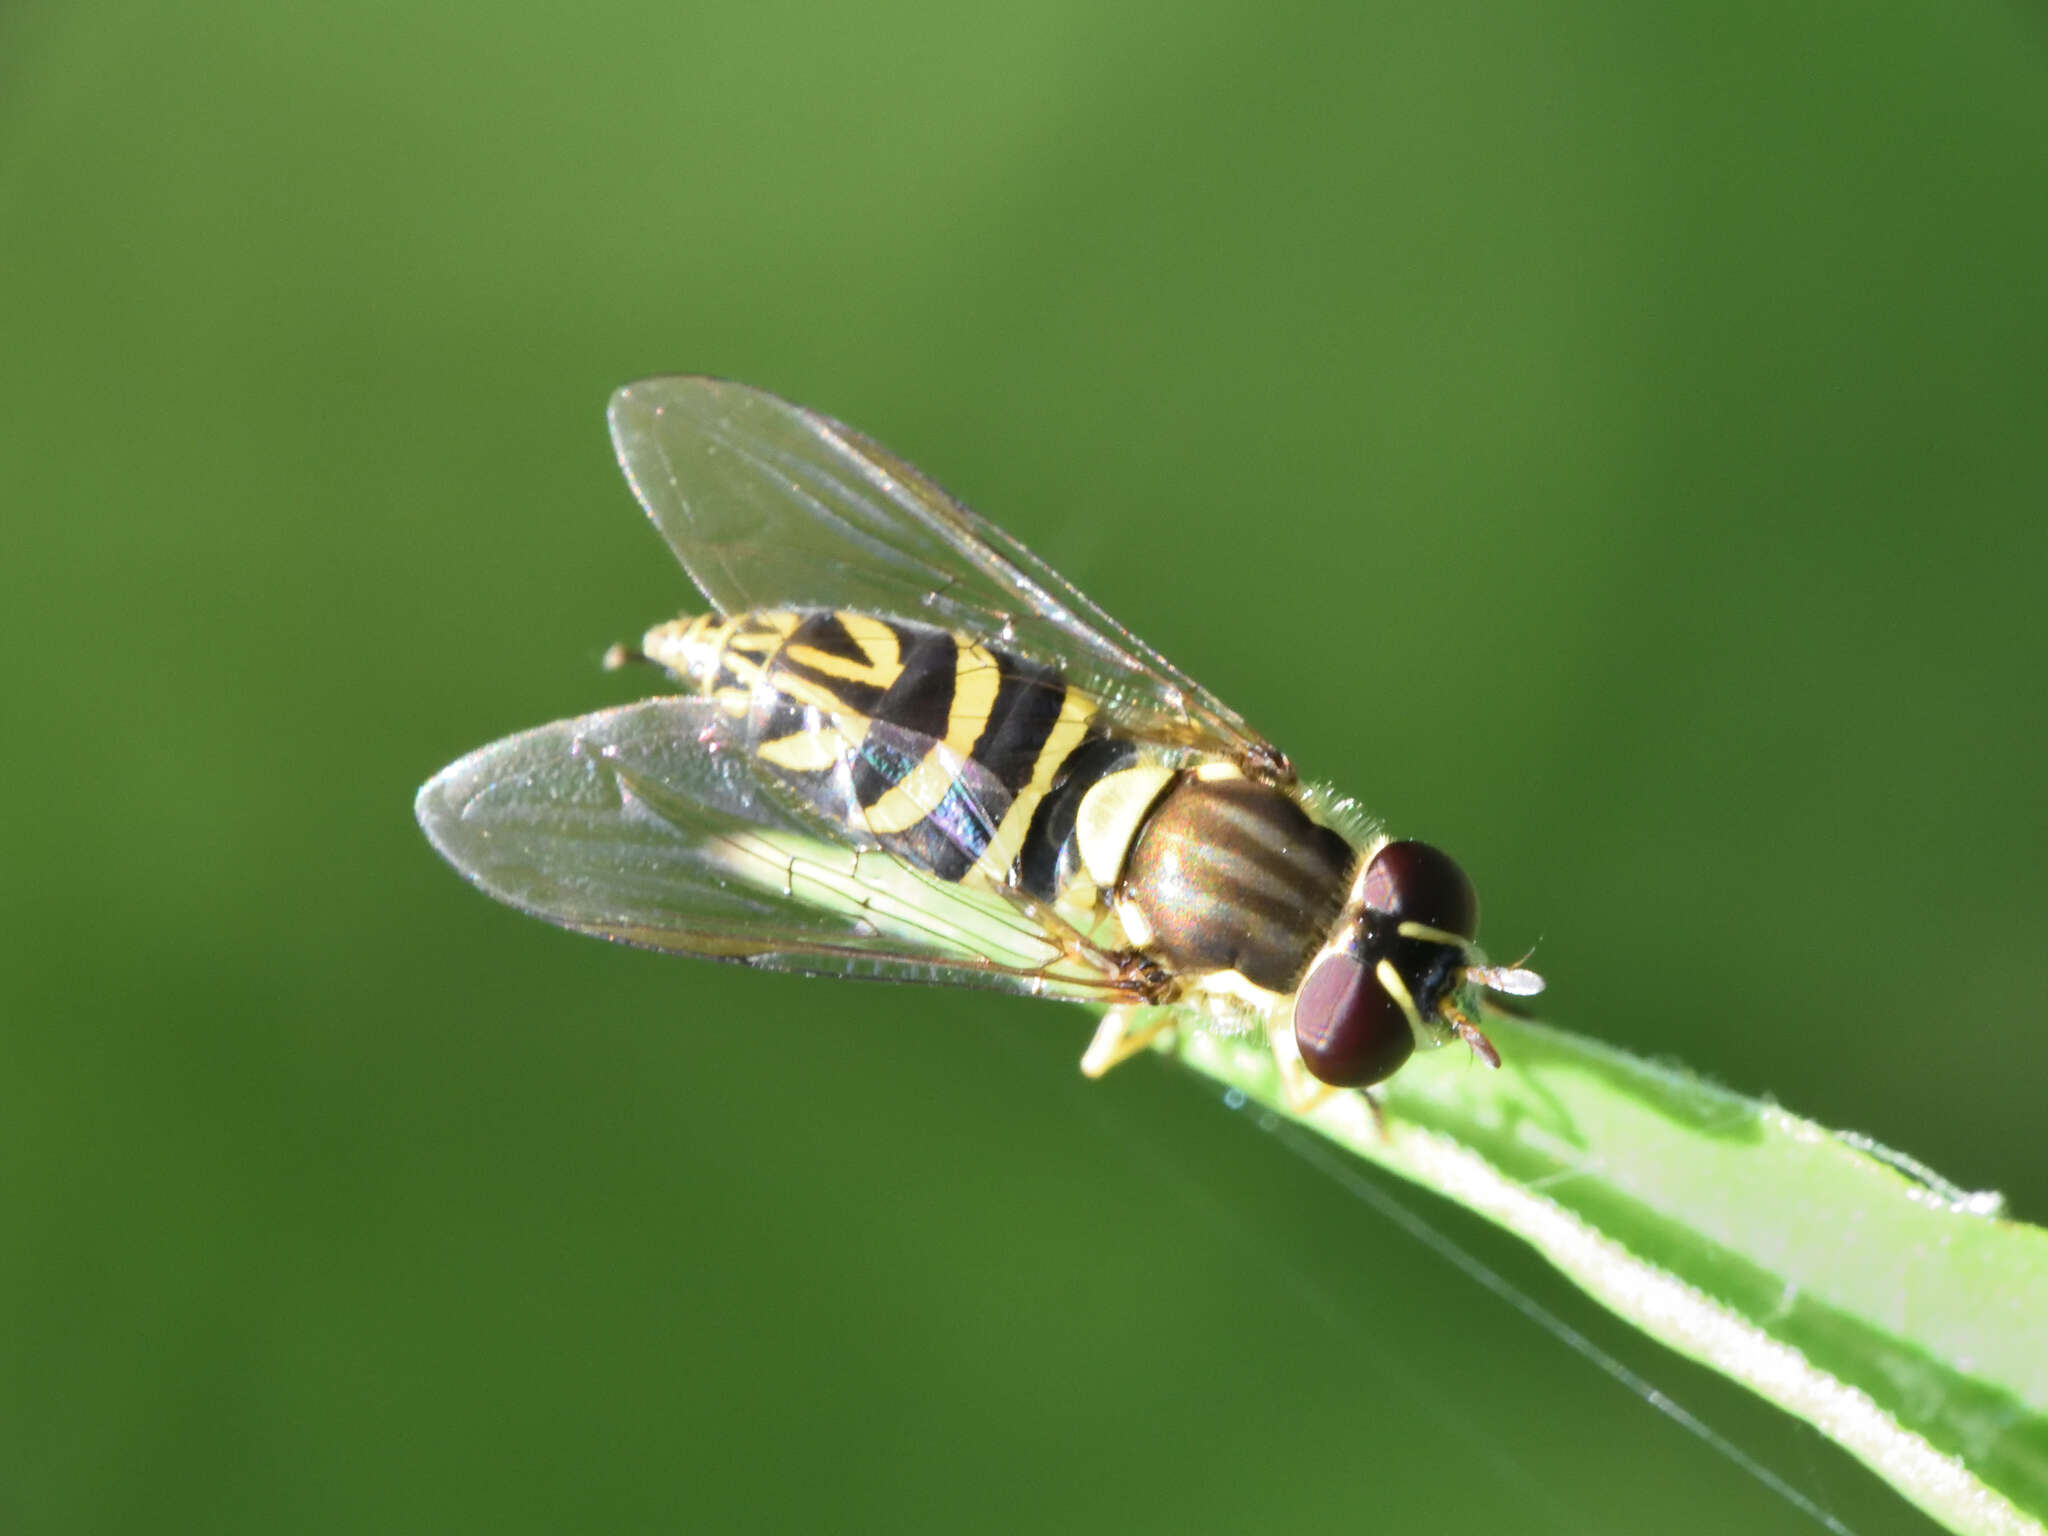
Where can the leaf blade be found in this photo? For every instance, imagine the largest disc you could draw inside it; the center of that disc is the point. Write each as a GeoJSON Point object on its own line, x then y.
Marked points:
{"type": "Point", "coordinates": [1897, 1315]}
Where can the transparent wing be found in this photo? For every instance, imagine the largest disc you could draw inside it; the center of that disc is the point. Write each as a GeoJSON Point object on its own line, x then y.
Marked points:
{"type": "Point", "coordinates": [646, 825]}
{"type": "Point", "coordinates": [770, 505]}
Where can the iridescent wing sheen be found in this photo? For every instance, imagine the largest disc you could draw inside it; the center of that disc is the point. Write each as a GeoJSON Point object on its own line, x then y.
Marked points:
{"type": "Point", "coordinates": [771, 505]}
{"type": "Point", "coordinates": [647, 825]}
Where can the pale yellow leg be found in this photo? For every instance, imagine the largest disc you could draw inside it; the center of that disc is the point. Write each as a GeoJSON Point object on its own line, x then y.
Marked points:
{"type": "Point", "coordinates": [1123, 1033]}
{"type": "Point", "coordinates": [1301, 1091]}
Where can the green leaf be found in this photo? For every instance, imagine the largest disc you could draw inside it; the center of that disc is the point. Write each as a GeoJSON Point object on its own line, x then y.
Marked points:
{"type": "Point", "coordinates": [1897, 1314]}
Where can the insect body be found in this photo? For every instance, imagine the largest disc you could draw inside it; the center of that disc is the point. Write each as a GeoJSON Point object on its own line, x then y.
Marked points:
{"type": "Point", "coordinates": [959, 771]}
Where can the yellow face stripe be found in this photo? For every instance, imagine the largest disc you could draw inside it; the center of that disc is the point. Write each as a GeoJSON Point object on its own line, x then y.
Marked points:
{"type": "Point", "coordinates": [1397, 989]}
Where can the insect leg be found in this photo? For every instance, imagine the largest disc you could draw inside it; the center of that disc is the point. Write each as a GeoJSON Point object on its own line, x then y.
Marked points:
{"type": "Point", "coordinates": [1123, 1032]}
{"type": "Point", "coordinates": [1298, 1089]}
{"type": "Point", "coordinates": [1302, 1093]}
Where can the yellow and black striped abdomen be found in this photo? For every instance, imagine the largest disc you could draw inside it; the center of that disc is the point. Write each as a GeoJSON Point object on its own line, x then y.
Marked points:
{"type": "Point", "coordinates": [958, 756]}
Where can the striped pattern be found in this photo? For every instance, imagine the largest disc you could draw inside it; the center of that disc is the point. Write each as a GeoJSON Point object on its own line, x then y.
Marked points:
{"type": "Point", "coordinates": [958, 756]}
{"type": "Point", "coordinates": [1233, 875]}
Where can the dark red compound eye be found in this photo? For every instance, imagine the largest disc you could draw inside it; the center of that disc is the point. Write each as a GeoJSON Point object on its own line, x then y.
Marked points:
{"type": "Point", "coordinates": [1351, 1034]}
{"type": "Point", "coordinates": [1417, 883]}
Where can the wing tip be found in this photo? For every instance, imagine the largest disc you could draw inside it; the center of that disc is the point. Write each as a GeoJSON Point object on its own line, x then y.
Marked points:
{"type": "Point", "coordinates": [437, 807]}
{"type": "Point", "coordinates": [633, 416]}
{"type": "Point", "coordinates": [658, 390]}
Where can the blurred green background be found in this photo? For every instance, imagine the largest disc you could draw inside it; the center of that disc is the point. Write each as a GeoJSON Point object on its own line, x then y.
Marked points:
{"type": "Point", "coordinates": [1610, 440]}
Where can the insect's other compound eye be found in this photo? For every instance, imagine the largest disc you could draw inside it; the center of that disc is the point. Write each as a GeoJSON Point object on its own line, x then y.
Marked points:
{"type": "Point", "coordinates": [1350, 1032]}
{"type": "Point", "coordinates": [1418, 883]}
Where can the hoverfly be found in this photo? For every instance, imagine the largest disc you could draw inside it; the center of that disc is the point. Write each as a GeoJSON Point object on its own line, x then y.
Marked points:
{"type": "Point", "coordinates": [904, 748]}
